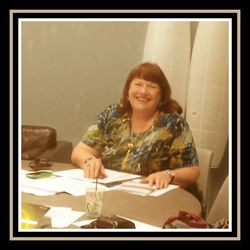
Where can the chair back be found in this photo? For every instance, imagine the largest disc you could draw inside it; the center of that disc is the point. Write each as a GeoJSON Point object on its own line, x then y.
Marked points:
{"type": "Point", "coordinates": [219, 209]}
{"type": "Point", "coordinates": [36, 140]}
{"type": "Point", "coordinates": [205, 159]}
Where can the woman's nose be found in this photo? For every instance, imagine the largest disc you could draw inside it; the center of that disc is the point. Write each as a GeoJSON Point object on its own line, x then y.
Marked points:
{"type": "Point", "coordinates": [144, 89]}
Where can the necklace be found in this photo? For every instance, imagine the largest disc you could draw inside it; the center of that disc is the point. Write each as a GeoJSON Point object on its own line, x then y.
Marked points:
{"type": "Point", "coordinates": [124, 161]}
{"type": "Point", "coordinates": [131, 143]}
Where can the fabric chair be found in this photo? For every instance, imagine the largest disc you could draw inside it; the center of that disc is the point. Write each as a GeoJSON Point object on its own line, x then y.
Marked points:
{"type": "Point", "coordinates": [205, 160]}
{"type": "Point", "coordinates": [219, 209]}
{"type": "Point", "coordinates": [41, 142]}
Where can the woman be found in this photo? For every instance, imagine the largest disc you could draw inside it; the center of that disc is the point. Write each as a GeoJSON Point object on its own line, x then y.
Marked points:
{"type": "Point", "coordinates": [144, 134]}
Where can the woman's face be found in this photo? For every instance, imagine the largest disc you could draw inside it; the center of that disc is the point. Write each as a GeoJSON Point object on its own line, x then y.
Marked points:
{"type": "Point", "coordinates": [144, 95]}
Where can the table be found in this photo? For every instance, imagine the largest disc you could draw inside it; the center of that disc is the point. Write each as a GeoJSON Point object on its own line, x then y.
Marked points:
{"type": "Point", "coordinates": [147, 209]}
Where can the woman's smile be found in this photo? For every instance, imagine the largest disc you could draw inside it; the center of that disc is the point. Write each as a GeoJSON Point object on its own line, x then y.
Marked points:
{"type": "Point", "coordinates": [142, 99]}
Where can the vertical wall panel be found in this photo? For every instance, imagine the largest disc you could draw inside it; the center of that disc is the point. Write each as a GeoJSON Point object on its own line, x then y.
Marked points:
{"type": "Point", "coordinates": [207, 102]}
{"type": "Point", "coordinates": [168, 44]}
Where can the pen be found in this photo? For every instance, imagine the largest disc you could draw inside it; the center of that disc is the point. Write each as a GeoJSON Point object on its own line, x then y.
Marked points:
{"type": "Point", "coordinates": [114, 183]}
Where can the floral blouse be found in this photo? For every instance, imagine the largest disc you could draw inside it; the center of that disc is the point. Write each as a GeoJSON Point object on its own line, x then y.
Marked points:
{"type": "Point", "coordinates": [167, 144]}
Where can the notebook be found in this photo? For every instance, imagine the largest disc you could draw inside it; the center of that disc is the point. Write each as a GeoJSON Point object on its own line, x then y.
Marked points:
{"type": "Point", "coordinates": [31, 214]}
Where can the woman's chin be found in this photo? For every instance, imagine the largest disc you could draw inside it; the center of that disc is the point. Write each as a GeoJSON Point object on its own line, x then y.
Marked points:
{"type": "Point", "coordinates": [142, 108]}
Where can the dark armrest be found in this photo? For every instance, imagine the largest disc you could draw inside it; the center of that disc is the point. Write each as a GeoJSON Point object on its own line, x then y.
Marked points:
{"type": "Point", "coordinates": [32, 154]}
{"type": "Point", "coordinates": [59, 153]}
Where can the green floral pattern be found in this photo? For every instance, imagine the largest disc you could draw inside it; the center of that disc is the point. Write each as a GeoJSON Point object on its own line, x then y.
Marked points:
{"type": "Point", "coordinates": [168, 144]}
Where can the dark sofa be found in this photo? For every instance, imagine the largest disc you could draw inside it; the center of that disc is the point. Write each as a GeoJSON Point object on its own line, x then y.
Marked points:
{"type": "Point", "coordinates": [41, 142]}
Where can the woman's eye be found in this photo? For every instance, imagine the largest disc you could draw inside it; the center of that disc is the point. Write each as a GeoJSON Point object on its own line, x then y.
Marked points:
{"type": "Point", "coordinates": [138, 84]}
{"type": "Point", "coordinates": [153, 86]}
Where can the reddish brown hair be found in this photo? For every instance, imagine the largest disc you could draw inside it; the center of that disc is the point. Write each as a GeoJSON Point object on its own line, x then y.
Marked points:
{"type": "Point", "coordinates": [153, 73]}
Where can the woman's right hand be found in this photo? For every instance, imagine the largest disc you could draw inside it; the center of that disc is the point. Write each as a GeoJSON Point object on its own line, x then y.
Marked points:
{"type": "Point", "coordinates": [94, 168]}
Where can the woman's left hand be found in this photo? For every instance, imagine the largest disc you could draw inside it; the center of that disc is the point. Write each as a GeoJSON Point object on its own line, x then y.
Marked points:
{"type": "Point", "coordinates": [160, 179]}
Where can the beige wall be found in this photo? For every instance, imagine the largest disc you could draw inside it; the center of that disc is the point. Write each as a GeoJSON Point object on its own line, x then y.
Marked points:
{"type": "Point", "coordinates": [72, 70]}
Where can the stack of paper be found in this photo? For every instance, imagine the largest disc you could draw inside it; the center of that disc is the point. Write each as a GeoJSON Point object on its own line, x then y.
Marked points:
{"type": "Point", "coordinates": [73, 182]}
{"type": "Point", "coordinates": [54, 184]}
{"type": "Point", "coordinates": [136, 187]}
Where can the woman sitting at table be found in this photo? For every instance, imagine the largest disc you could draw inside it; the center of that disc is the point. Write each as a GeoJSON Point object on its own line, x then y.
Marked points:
{"type": "Point", "coordinates": [144, 134]}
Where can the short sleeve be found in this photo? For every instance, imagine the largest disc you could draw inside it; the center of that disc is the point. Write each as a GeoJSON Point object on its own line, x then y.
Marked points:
{"type": "Point", "coordinates": [96, 135]}
{"type": "Point", "coordinates": [182, 151]}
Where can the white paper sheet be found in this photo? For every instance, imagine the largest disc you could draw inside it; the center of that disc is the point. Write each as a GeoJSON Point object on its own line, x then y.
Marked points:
{"type": "Point", "coordinates": [62, 217]}
{"type": "Point", "coordinates": [37, 191]}
{"type": "Point", "coordinates": [72, 182]}
{"type": "Point", "coordinates": [112, 176]}
{"type": "Point", "coordinates": [55, 184]}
